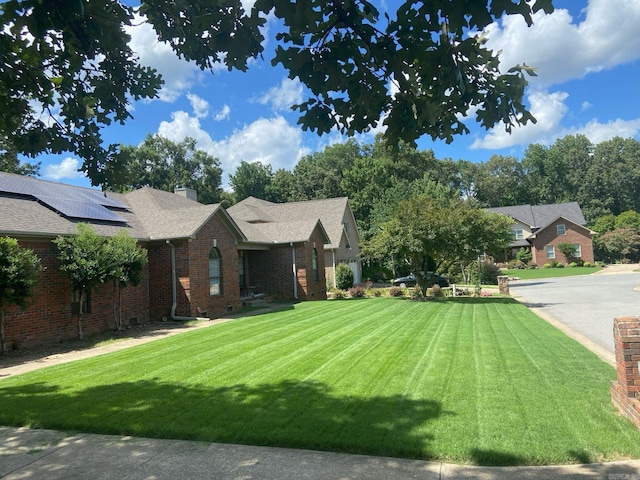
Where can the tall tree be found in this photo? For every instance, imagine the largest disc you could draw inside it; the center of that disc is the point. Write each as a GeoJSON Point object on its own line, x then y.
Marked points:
{"type": "Point", "coordinates": [164, 164]}
{"type": "Point", "coordinates": [19, 270]}
{"type": "Point", "coordinates": [426, 233]}
{"type": "Point", "coordinates": [82, 257]}
{"type": "Point", "coordinates": [500, 182]}
{"type": "Point", "coordinates": [9, 161]}
{"type": "Point", "coordinates": [126, 263]}
{"type": "Point", "coordinates": [69, 70]}
{"type": "Point", "coordinates": [252, 180]}
{"type": "Point", "coordinates": [320, 175]}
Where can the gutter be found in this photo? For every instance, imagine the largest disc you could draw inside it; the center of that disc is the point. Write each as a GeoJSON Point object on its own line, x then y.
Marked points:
{"type": "Point", "coordinates": [295, 271]}
{"type": "Point", "coordinates": [174, 289]}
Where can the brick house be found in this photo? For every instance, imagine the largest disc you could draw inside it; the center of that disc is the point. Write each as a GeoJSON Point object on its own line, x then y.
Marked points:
{"type": "Point", "coordinates": [335, 214]}
{"type": "Point", "coordinates": [201, 263]}
{"type": "Point", "coordinates": [541, 228]}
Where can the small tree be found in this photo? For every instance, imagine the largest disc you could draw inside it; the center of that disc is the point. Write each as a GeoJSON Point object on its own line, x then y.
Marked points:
{"type": "Point", "coordinates": [19, 270]}
{"type": "Point", "coordinates": [344, 276]}
{"type": "Point", "coordinates": [82, 257]}
{"type": "Point", "coordinates": [569, 251]}
{"type": "Point", "coordinates": [524, 255]}
{"type": "Point", "coordinates": [126, 260]}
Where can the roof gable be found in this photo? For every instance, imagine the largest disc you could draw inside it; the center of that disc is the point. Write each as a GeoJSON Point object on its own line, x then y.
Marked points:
{"type": "Point", "coordinates": [330, 212]}
{"type": "Point", "coordinates": [541, 216]}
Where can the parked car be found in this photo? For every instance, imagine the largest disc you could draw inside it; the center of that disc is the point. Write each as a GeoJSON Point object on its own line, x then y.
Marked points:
{"type": "Point", "coordinates": [432, 278]}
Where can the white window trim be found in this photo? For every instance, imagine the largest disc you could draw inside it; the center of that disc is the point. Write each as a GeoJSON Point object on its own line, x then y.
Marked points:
{"type": "Point", "coordinates": [553, 251]}
{"type": "Point", "coordinates": [564, 229]}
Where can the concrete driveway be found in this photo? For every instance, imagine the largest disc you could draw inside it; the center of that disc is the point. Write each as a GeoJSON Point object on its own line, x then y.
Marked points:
{"type": "Point", "coordinates": [585, 306]}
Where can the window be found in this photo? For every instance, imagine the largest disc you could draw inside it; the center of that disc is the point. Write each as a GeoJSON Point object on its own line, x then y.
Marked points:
{"type": "Point", "coordinates": [215, 275]}
{"type": "Point", "coordinates": [314, 265]}
{"type": "Point", "coordinates": [561, 230]}
{"type": "Point", "coordinates": [578, 250]}
{"type": "Point", "coordinates": [551, 251]}
{"type": "Point", "coordinates": [518, 233]}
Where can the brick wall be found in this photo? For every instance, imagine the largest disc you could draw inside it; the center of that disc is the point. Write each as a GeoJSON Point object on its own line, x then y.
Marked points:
{"type": "Point", "coordinates": [198, 271]}
{"type": "Point", "coordinates": [49, 318]}
{"type": "Point", "coordinates": [575, 234]}
{"type": "Point", "coordinates": [625, 391]}
{"type": "Point", "coordinates": [271, 271]}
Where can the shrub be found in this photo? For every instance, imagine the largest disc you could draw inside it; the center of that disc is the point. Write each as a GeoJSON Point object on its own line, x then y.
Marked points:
{"type": "Point", "coordinates": [344, 276]}
{"type": "Point", "coordinates": [587, 264]}
{"type": "Point", "coordinates": [395, 292]}
{"type": "Point", "coordinates": [356, 292]}
{"type": "Point", "coordinates": [559, 265]}
{"type": "Point", "coordinates": [524, 255]}
{"type": "Point", "coordinates": [515, 264]}
{"type": "Point", "coordinates": [546, 265]}
{"type": "Point", "coordinates": [488, 274]}
{"type": "Point", "coordinates": [573, 265]}
{"type": "Point", "coordinates": [436, 291]}
{"type": "Point", "coordinates": [338, 294]}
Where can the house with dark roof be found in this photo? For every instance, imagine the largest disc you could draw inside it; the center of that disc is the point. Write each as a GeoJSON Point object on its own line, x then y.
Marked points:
{"type": "Point", "coordinates": [541, 228]}
{"type": "Point", "coordinates": [260, 219]}
{"type": "Point", "coordinates": [203, 262]}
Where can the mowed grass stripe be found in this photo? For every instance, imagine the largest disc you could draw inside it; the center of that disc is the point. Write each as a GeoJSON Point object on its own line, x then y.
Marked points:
{"type": "Point", "coordinates": [476, 381]}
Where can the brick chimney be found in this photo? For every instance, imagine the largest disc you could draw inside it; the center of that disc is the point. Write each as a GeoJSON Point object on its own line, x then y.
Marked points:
{"type": "Point", "coordinates": [186, 192]}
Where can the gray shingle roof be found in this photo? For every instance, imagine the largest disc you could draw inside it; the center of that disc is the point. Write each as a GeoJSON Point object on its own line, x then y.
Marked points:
{"type": "Point", "coordinates": [152, 215]}
{"type": "Point", "coordinates": [541, 216]}
{"type": "Point", "coordinates": [259, 218]}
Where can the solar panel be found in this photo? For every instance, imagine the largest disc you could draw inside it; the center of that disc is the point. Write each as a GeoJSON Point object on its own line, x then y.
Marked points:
{"type": "Point", "coordinates": [70, 201]}
{"type": "Point", "coordinates": [75, 209]}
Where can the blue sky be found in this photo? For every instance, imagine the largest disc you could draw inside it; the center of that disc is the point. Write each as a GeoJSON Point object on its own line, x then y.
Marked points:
{"type": "Point", "coordinates": [587, 54]}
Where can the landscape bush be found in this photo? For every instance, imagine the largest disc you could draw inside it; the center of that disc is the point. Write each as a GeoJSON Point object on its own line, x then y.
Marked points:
{"type": "Point", "coordinates": [357, 292]}
{"type": "Point", "coordinates": [395, 292]}
{"type": "Point", "coordinates": [344, 277]}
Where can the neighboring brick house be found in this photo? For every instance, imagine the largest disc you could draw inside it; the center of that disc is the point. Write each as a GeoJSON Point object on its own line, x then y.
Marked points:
{"type": "Point", "coordinates": [541, 228]}
{"type": "Point", "coordinates": [201, 262]}
{"type": "Point", "coordinates": [335, 214]}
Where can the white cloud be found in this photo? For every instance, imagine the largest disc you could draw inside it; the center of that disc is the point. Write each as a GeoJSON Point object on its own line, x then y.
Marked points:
{"type": "Point", "coordinates": [550, 109]}
{"type": "Point", "coordinates": [586, 105]}
{"type": "Point", "coordinates": [200, 105]}
{"type": "Point", "coordinates": [223, 114]}
{"type": "Point", "coordinates": [282, 97]}
{"type": "Point", "coordinates": [270, 141]}
{"type": "Point", "coordinates": [67, 168]}
{"type": "Point", "coordinates": [561, 49]}
{"type": "Point", "coordinates": [599, 132]}
{"type": "Point", "coordinates": [547, 108]}
{"type": "Point", "coordinates": [178, 75]}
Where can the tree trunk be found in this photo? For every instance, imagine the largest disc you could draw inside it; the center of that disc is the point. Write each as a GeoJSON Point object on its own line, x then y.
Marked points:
{"type": "Point", "coordinates": [80, 312]}
{"type": "Point", "coordinates": [120, 306]}
{"type": "Point", "coordinates": [115, 308]}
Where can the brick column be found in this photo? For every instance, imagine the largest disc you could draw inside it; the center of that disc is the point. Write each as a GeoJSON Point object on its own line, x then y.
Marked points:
{"type": "Point", "coordinates": [625, 391]}
{"type": "Point", "coordinates": [503, 284]}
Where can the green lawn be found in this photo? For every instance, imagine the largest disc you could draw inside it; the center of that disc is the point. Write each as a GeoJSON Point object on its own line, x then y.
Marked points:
{"type": "Point", "coordinates": [525, 274]}
{"type": "Point", "coordinates": [479, 381]}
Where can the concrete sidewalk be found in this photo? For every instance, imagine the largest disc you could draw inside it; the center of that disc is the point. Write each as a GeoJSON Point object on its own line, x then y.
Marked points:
{"type": "Point", "coordinates": [52, 455]}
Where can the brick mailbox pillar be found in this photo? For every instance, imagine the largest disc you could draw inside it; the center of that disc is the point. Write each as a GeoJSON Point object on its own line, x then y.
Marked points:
{"type": "Point", "coordinates": [625, 391]}
{"type": "Point", "coordinates": [503, 284]}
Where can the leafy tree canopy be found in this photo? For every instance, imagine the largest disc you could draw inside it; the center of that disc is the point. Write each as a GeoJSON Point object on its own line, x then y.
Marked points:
{"type": "Point", "coordinates": [163, 164]}
{"type": "Point", "coordinates": [426, 232]}
{"type": "Point", "coordinates": [19, 270]}
{"type": "Point", "coordinates": [68, 70]}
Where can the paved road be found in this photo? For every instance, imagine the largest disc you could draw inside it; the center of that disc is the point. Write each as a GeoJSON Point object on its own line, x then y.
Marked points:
{"type": "Point", "coordinates": [586, 304]}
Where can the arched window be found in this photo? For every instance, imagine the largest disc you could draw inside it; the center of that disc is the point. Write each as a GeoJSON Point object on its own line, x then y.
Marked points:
{"type": "Point", "coordinates": [314, 265]}
{"type": "Point", "coordinates": [215, 272]}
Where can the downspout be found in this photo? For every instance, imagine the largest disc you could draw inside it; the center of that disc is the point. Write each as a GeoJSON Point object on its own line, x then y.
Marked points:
{"type": "Point", "coordinates": [174, 289]}
{"type": "Point", "coordinates": [295, 271]}
{"type": "Point", "coordinates": [333, 255]}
